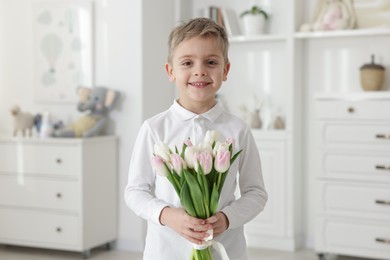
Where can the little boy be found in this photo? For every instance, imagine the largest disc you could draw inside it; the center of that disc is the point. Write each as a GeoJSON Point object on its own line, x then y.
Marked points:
{"type": "Point", "coordinates": [197, 63]}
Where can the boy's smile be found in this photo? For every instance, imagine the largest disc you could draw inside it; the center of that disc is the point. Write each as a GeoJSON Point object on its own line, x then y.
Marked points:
{"type": "Point", "coordinates": [198, 69]}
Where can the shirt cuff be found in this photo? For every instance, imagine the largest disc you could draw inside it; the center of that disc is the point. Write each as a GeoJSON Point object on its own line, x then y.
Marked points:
{"type": "Point", "coordinates": [233, 222]}
{"type": "Point", "coordinates": [157, 212]}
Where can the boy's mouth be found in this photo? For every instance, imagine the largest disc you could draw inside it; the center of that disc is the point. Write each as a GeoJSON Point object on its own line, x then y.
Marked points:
{"type": "Point", "coordinates": [199, 84]}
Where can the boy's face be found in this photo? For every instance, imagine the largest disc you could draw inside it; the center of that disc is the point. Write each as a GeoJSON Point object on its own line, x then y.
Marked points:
{"type": "Point", "coordinates": [198, 69]}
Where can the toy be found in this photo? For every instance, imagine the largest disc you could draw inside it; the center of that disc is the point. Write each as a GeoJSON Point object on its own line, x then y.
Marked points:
{"type": "Point", "coordinates": [332, 15]}
{"type": "Point", "coordinates": [23, 121]}
{"type": "Point", "coordinates": [98, 101]}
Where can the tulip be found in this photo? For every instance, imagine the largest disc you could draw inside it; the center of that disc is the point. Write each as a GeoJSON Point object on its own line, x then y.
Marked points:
{"type": "Point", "coordinates": [204, 147]}
{"type": "Point", "coordinates": [188, 142]}
{"type": "Point", "coordinates": [189, 156]}
{"type": "Point", "coordinates": [230, 141]}
{"type": "Point", "coordinates": [159, 166]}
{"type": "Point", "coordinates": [211, 137]}
{"type": "Point", "coordinates": [222, 160]}
{"type": "Point", "coordinates": [162, 150]}
{"type": "Point", "coordinates": [218, 146]}
{"type": "Point", "coordinates": [205, 160]}
{"type": "Point", "coordinates": [177, 163]}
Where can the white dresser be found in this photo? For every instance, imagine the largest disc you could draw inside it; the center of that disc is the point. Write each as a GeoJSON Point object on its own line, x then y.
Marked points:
{"type": "Point", "coordinates": [352, 168]}
{"type": "Point", "coordinates": [58, 193]}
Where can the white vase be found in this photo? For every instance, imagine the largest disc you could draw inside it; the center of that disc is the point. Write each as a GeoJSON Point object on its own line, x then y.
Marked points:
{"type": "Point", "coordinates": [253, 24]}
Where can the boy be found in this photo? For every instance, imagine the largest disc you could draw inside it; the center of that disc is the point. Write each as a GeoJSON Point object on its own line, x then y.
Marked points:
{"type": "Point", "coordinates": [197, 64]}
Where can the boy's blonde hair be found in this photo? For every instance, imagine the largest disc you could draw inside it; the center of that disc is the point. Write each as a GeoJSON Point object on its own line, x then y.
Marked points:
{"type": "Point", "coordinates": [202, 27]}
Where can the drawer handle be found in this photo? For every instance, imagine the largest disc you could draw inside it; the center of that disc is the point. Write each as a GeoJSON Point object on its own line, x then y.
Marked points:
{"type": "Point", "coordinates": [383, 202]}
{"type": "Point", "coordinates": [382, 240]}
{"type": "Point", "coordinates": [59, 161]}
{"type": "Point", "coordinates": [351, 110]}
{"type": "Point", "coordinates": [59, 195]}
{"type": "Point", "coordinates": [382, 167]}
{"type": "Point", "coordinates": [59, 229]}
{"type": "Point", "coordinates": [382, 136]}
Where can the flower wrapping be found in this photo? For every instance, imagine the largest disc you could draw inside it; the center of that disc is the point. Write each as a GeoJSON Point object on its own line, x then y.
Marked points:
{"type": "Point", "coordinates": [197, 173]}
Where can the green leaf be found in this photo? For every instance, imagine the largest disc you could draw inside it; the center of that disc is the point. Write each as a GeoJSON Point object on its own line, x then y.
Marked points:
{"type": "Point", "coordinates": [214, 200]}
{"type": "Point", "coordinates": [183, 150]}
{"type": "Point", "coordinates": [235, 157]}
{"type": "Point", "coordinates": [186, 201]}
{"type": "Point", "coordinates": [196, 194]}
{"type": "Point", "coordinates": [172, 180]}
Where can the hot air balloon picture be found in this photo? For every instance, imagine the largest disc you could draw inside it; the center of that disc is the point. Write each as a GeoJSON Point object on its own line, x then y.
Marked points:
{"type": "Point", "coordinates": [51, 47]}
{"type": "Point", "coordinates": [62, 49]}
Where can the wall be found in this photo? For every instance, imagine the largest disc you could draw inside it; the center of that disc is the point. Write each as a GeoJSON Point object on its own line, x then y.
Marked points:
{"type": "Point", "coordinates": [126, 55]}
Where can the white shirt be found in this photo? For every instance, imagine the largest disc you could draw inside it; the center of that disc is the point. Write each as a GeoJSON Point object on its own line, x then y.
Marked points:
{"type": "Point", "coordinates": [147, 193]}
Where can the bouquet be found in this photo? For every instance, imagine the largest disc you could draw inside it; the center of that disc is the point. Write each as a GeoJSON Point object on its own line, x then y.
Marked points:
{"type": "Point", "coordinates": [197, 173]}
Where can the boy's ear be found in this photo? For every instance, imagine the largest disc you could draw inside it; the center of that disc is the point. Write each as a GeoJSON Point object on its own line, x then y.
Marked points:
{"type": "Point", "coordinates": [170, 73]}
{"type": "Point", "coordinates": [226, 71]}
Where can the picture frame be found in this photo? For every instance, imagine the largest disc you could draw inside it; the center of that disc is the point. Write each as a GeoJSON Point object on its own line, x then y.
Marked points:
{"type": "Point", "coordinates": [63, 49]}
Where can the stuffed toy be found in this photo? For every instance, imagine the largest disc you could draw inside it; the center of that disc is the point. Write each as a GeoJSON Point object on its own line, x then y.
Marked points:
{"type": "Point", "coordinates": [332, 15]}
{"type": "Point", "coordinates": [23, 122]}
{"type": "Point", "coordinates": [99, 101]}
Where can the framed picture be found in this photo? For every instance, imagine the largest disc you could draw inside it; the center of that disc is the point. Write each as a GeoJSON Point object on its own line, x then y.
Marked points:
{"type": "Point", "coordinates": [62, 31]}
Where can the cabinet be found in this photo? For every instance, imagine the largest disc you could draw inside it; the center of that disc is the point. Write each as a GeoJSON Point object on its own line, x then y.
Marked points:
{"type": "Point", "coordinates": [274, 227]}
{"type": "Point", "coordinates": [58, 193]}
{"type": "Point", "coordinates": [352, 166]}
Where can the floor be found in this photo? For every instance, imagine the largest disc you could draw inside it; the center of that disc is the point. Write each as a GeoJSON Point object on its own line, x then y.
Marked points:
{"type": "Point", "coordinates": [24, 253]}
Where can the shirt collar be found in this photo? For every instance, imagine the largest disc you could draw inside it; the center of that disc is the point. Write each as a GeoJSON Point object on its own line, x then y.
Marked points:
{"type": "Point", "coordinates": [185, 114]}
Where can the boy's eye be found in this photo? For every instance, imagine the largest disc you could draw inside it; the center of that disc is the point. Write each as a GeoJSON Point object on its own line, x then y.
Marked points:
{"type": "Point", "coordinates": [186, 63]}
{"type": "Point", "coordinates": [212, 62]}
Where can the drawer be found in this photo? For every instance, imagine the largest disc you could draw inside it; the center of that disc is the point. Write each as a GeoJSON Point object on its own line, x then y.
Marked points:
{"type": "Point", "coordinates": [40, 158]}
{"type": "Point", "coordinates": [35, 227]}
{"type": "Point", "coordinates": [353, 237]}
{"type": "Point", "coordinates": [333, 133]}
{"type": "Point", "coordinates": [353, 110]}
{"type": "Point", "coordinates": [354, 165]}
{"type": "Point", "coordinates": [361, 200]}
{"type": "Point", "coordinates": [40, 193]}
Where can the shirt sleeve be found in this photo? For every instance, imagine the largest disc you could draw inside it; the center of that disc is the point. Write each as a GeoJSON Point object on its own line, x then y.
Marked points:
{"type": "Point", "coordinates": [253, 194]}
{"type": "Point", "coordinates": [138, 193]}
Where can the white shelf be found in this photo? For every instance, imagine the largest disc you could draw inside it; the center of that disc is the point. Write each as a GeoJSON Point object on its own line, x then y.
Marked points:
{"type": "Point", "coordinates": [343, 33]}
{"type": "Point", "coordinates": [257, 38]}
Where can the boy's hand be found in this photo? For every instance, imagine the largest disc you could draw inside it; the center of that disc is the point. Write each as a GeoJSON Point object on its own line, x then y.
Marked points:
{"type": "Point", "coordinates": [219, 222]}
{"type": "Point", "coordinates": [192, 229]}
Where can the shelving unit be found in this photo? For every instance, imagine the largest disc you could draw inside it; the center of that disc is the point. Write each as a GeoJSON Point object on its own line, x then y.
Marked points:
{"type": "Point", "coordinates": [290, 68]}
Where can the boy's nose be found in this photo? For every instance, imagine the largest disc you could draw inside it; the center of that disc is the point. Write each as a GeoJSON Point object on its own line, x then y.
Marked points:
{"type": "Point", "coordinates": [200, 74]}
{"type": "Point", "coordinates": [200, 71]}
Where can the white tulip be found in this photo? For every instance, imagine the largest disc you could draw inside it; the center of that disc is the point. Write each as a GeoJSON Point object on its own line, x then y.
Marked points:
{"type": "Point", "coordinates": [162, 150]}
{"type": "Point", "coordinates": [211, 136]}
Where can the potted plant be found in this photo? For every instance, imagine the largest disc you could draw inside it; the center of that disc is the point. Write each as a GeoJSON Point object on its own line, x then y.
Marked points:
{"type": "Point", "coordinates": [253, 20]}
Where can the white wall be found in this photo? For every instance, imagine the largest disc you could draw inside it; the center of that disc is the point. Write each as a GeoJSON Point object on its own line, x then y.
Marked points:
{"type": "Point", "coordinates": [128, 57]}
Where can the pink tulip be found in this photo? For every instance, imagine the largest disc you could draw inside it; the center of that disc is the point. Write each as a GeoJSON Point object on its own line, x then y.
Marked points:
{"type": "Point", "coordinates": [188, 142]}
{"type": "Point", "coordinates": [230, 141]}
{"type": "Point", "coordinates": [158, 166]}
{"type": "Point", "coordinates": [218, 146]}
{"type": "Point", "coordinates": [177, 163]}
{"type": "Point", "coordinates": [222, 160]}
{"type": "Point", "coordinates": [205, 160]}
